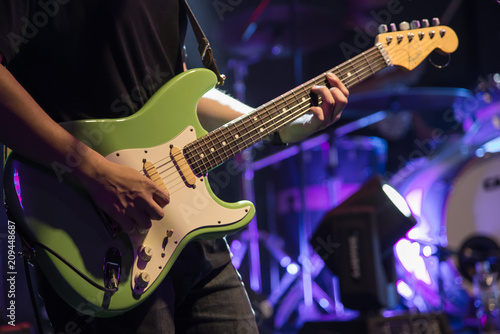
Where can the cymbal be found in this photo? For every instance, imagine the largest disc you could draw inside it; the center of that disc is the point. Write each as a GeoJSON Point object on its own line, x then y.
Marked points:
{"type": "Point", "coordinates": [274, 31]}
{"type": "Point", "coordinates": [421, 99]}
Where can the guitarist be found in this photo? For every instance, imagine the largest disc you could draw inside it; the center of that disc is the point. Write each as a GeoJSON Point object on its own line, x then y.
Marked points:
{"type": "Point", "coordinates": [66, 60]}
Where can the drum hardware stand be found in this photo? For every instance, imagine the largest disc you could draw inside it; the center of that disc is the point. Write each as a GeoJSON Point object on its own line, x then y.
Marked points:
{"type": "Point", "coordinates": [360, 123]}
{"type": "Point", "coordinates": [293, 285]}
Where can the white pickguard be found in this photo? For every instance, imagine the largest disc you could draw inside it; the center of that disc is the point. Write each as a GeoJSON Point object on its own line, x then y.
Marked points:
{"type": "Point", "coordinates": [190, 208]}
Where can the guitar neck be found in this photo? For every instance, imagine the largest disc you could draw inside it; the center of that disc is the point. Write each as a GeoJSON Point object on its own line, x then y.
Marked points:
{"type": "Point", "coordinates": [216, 147]}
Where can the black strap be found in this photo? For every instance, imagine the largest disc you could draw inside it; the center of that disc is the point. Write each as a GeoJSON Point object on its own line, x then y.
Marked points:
{"type": "Point", "coordinates": [204, 48]}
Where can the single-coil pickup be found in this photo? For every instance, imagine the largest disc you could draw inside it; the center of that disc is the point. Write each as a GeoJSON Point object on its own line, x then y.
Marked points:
{"type": "Point", "coordinates": [152, 173]}
{"type": "Point", "coordinates": [183, 166]}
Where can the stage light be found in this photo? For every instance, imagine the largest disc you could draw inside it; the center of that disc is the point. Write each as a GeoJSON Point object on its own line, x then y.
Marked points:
{"type": "Point", "coordinates": [397, 199]}
{"type": "Point", "coordinates": [324, 303]}
{"type": "Point", "coordinates": [427, 251]}
{"type": "Point", "coordinates": [404, 290]}
{"type": "Point", "coordinates": [292, 268]}
{"type": "Point", "coordinates": [285, 261]}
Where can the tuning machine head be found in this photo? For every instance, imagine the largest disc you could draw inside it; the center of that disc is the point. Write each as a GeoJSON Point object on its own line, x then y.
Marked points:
{"type": "Point", "coordinates": [382, 29]}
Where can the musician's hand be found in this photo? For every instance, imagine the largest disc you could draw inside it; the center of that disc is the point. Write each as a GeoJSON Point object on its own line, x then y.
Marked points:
{"type": "Point", "coordinates": [334, 101]}
{"type": "Point", "coordinates": [126, 195]}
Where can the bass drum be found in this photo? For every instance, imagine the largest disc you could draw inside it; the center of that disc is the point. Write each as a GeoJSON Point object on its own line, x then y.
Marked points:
{"type": "Point", "coordinates": [473, 206]}
{"type": "Point", "coordinates": [455, 198]}
{"type": "Point", "coordinates": [473, 214]}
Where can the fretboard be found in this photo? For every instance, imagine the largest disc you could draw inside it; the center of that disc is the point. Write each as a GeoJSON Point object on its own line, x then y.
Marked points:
{"type": "Point", "coordinates": [216, 147]}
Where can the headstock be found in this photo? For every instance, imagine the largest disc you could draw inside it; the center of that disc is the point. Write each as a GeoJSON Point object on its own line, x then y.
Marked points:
{"type": "Point", "coordinates": [412, 43]}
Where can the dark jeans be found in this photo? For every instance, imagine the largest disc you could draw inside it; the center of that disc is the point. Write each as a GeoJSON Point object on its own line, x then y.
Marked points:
{"type": "Point", "coordinates": [203, 293]}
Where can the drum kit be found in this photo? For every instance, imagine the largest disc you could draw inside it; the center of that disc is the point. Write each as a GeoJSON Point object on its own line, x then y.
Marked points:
{"type": "Point", "coordinates": [449, 175]}
{"type": "Point", "coordinates": [453, 189]}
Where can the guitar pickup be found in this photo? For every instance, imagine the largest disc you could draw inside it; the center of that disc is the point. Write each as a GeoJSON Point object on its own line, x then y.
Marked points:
{"type": "Point", "coordinates": [183, 166]}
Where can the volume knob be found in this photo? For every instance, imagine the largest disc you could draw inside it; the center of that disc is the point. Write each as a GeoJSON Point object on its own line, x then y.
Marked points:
{"type": "Point", "coordinates": [142, 279]}
{"type": "Point", "coordinates": [146, 253]}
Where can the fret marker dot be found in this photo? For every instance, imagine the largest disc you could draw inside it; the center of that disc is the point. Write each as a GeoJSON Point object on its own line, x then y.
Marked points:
{"type": "Point", "coordinates": [349, 74]}
{"type": "Point", "coordinates": [284, 109]}
{"type": "Point", "coordinates": [223, 143]}
{"type": "Point", "coordinates": [236, 136]}
{"type": "Point", "coordinates": [261, 129]}
{"type": "Point", "coordinates": [202, 155]}
{"type": "Point", "coordinates": [303, 99]}
{"type": "Point", "coordinates": [212, 150]}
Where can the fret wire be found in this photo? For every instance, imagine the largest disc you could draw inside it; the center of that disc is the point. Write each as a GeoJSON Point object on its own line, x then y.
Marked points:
{"type": "Point", "coordinates": [232, 129]}
{"type": "Point", "coordinates": [201, 153]}
{"type": "Point", "coordinates": [217, 147]}
{"type": "Point", "coordinates": [252, 120]}
{"type": "Point", "coordinates": [364, 56]}
{"type": "Point", "coordinates": [223, 146]}
{"type": "Point", "coordinates": [270, 115]}
{"type": "Point", "coordinates": [244, 137]}
{"type": "Point", "coordinates": [227, 144]}
{"type": "Point", "coordinates": [207, 153]}
{"type": "Point", "coordinates": [355, 61]}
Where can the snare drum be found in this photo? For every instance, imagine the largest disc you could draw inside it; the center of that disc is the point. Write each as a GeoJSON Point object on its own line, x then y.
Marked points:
{"type": "Point", "coordinates": [454, 198]}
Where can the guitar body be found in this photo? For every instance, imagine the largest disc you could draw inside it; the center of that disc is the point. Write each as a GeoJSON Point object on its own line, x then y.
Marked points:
{"type": "Point", "coordinates": [55, 213]}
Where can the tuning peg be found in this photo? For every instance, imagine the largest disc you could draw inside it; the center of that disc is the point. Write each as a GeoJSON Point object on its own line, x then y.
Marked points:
{"type": "Point", "coordinates": [404, 25]}
{"type": "Point", "coordinates": [435, 21]}
{"type": "Point", "coordinates": [393, 27]}
{"type": "Point", "coordinates": [425, 23]}
{"type": "Point", "coordinates": [415, 24]}
{"type": "Point", "coordinates": [382, 29]}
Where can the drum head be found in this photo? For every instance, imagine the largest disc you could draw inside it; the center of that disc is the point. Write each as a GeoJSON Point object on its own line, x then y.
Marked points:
{"type": "Point", "coordinates": [473, 205]}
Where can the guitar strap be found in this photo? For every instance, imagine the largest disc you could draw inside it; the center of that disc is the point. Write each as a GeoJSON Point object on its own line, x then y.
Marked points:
{"type": "Point", "coordinates": [204, 48]}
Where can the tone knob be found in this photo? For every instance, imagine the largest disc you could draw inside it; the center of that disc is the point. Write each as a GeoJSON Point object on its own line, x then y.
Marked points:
{"type": "Point", "coordinates": [146, 253]}
{"type": "Point", "coordinates": [435, 21]}
{"type": "Point", "coordinates": [425, 23]}
{"type": "Point", "coordinates": [142, 279]}
{"type": "Point", "coordinates": [415, 24]}
{"type": "Point", "coordinates": [393, 27]}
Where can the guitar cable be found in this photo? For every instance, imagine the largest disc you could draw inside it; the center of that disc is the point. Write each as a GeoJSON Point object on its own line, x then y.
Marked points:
{"type": "Point", "coordinates": [32, 295]}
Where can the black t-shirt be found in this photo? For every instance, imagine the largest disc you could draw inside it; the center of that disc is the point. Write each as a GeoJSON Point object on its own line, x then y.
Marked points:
{"type": "Point", "coordinates": [85, 59]}
{"type": "Point", "coordinates": [88, 58]}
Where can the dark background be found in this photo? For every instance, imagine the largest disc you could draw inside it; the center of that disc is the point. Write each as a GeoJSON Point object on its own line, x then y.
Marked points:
{"type": "Point", "coordinates": [310, 43]}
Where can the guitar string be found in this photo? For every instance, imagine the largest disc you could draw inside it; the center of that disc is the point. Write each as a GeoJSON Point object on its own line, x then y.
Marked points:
{"type": "Point", "coordinates": [305, 87]}
{"type": "Point", "coordinates": [295, 113]}
{"type": "Point", "coordinates": [280, 104]}
{"type": "Point", "coordinates": [356, 59]}
{"type": "Point", "coordinates": [181, 181]}
{"type": "Point", "coordinates": [183, 163]}
{"type": "Point", "coordinates": [291, 112]}
{"type": "Point", "coordinates": [366, 55]}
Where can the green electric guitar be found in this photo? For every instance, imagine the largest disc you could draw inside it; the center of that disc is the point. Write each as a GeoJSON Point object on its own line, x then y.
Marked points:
{"type": "Point", "coordinates": [100, 271]}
